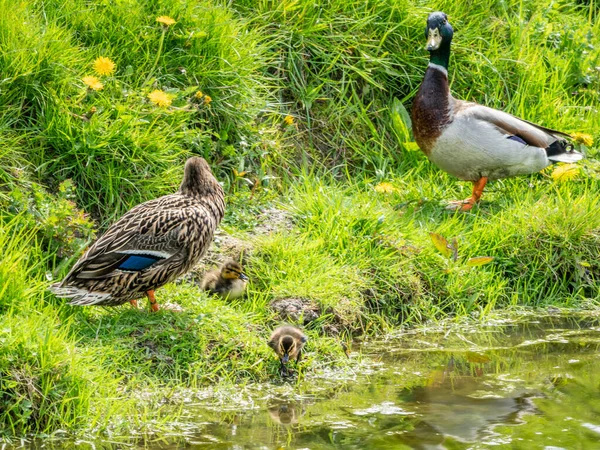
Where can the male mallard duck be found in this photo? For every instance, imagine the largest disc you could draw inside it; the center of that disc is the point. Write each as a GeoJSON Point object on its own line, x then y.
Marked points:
{"type": "Point", "coordinates": [228, 282]}
{"type": "Point", "coordinates": [152, 244]}
{"type": "Point", "coordinates": [474, 142]}
{"type": "Point", "coordinates": [287, 342]}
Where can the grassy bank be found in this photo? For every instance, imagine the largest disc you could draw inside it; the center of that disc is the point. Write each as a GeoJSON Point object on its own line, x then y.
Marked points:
{"type": "Point", "coordinates": [300, 108]}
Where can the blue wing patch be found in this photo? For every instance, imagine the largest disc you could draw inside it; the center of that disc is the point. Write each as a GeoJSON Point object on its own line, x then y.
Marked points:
{"type": "Point", "coordinates": [518, 139]}
{"type": "Point", "coordinates": [138, 262]}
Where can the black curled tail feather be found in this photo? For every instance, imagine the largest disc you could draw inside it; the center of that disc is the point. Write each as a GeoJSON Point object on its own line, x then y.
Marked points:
{"type": "Point", "coordinates": [559, 147]}
{"type": "Point", "coordinates": [562, 150]}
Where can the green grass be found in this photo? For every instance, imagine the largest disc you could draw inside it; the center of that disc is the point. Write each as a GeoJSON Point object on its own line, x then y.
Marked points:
{"type": "Point", "coordinates": [346, 72]}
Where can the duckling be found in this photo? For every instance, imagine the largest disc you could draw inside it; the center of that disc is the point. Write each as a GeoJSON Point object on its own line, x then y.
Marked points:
{"type": "Point", "coordinates": [228, 282]}
{"type": "Point", "coordinates": [470, 141]}
{"type": "Point", "coordinates": [287, 342]}
{"type": "Point", "coordinates": [150, 245]}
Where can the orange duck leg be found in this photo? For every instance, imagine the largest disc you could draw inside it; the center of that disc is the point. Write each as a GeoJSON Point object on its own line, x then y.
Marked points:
{"type": "Point", "coordinates": [153, 303]}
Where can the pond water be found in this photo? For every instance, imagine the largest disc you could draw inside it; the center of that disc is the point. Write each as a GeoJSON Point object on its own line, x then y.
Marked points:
{"type": "Point", "coordinates": [532, 384]}
{"type": "Point", "coordinates": [527, 384]}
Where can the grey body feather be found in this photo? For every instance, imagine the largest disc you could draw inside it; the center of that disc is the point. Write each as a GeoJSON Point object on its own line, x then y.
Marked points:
{"type": "Point", "coordinates": [475, 143]}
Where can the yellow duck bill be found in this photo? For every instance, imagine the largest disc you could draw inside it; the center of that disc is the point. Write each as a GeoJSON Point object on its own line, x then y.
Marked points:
{"type": "Point", "coordinates": [434, 40]}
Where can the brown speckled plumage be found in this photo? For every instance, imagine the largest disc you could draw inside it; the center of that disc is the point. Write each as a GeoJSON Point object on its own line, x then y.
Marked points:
{"type": "Point", "coordinates": [170, 233]}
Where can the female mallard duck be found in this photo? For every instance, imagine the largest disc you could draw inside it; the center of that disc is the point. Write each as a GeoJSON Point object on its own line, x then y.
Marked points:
{"type": "Point", "coordinates": [152, 244]}
{"type": "Point", "coordinates": [287, 342]}
{"type": "Point", "coordinates": [228, 282]}
{"type": "Point", "coordinates": [474, 142]}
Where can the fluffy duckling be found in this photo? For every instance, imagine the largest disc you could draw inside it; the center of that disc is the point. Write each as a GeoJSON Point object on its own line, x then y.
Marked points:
{"type": "Point", "coordinates": [229, 282]}
{"type": "Point", "coordinates": [287, 342]}
{"type": "Point", "coordinates": [470, 141]}
{"type": "Point", "coordinates": [150, 245]}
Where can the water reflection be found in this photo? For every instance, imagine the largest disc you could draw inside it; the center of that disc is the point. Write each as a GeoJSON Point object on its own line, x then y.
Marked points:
{"type": "Point", "coordinates": [286, 413]}
{"type": "Point", "coordinates": [454, 409]}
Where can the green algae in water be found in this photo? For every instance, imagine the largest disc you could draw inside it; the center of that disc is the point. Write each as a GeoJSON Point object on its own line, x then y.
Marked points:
{"type": "Point", "coordinates": [533, 384]}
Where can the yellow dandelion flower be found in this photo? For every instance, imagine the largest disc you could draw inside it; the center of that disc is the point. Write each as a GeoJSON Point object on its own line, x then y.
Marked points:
{"type": "Point", "coordinates": [207, 99]}
{"type": "Point", "coordinates": [160, 98]}
{"type": "Point", "coordinates": [198, 95]}
{"type": "Point", "coordinates": [385, 188]}
{"type": "Point", "coordinates": [289, 120]}
{"type": "Point", "coordinates": [565, 172]}
{"type": "Point", "coordinates": [104, 66]}
{"type": "Point", "coordinates": [582, 138]}
{"type": "Point", "coordinates": [93, 83]}
{"type": "Point", "coordinates": [166, 20]}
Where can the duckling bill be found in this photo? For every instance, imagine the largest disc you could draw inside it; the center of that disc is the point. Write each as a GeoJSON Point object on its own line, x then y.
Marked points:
{"type": "Point", "coordinates": [150, 245]}
{"type": "Point", "coordinates": [287, 342]}
{"type": "Point", "coordinates": [229, 282]}
{"type": "Point", "coordinates": [470, 141]}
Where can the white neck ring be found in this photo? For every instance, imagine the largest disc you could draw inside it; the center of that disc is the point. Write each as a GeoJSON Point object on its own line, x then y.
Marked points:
{"type": "Point", "coordinates": [440, 68]}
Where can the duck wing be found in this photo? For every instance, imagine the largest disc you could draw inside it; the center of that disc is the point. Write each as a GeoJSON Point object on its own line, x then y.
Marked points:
{"type": "Point", "coordinates": [529, 134]}
{"type": "Point", "coordinates": [147, 234]}
{"type": "Point", "coordinates": [209, 282]}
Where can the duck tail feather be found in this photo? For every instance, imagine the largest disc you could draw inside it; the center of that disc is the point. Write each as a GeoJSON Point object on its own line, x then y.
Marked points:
{"type": "Point", "coordinates": [567, 157]}
{"type": "Point", "coordinates": [79, 296]}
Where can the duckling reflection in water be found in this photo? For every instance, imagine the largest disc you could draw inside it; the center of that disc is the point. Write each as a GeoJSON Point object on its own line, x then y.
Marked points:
{"type": "Point", "coordinates": [286, 414]}
{"type": "Point", "coordinates": [287, 342]}
{"type": "Point", "coordinates": [228, 282]}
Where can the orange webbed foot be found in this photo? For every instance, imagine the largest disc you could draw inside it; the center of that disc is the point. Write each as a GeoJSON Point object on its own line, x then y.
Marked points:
{"type": "Point", "coordinates": [134, 303]}
{"type": "Point", "coordinates": [461, 205]}
{"type": "Point", "coordinates": [467, 205]}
